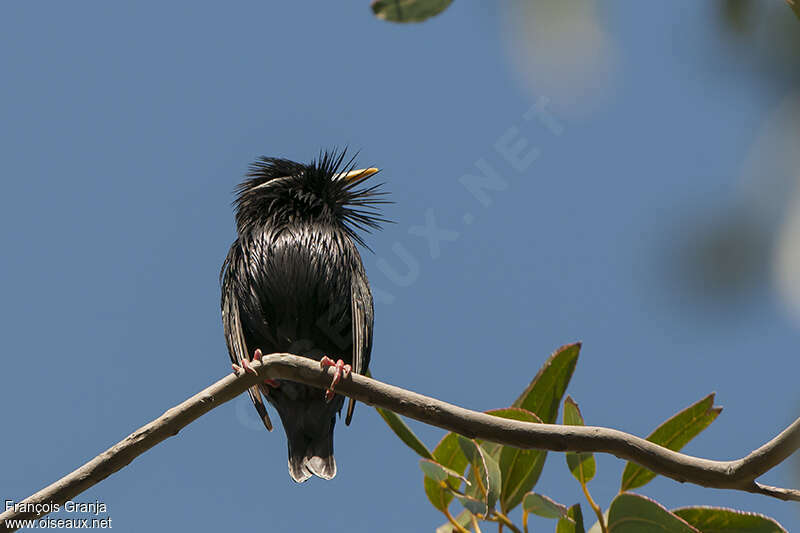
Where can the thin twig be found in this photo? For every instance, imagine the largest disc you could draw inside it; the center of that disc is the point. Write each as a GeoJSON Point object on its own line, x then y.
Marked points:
{"type": "Point", "coordinates": [504, 520]}
{"type": "Point", "coordinates": [457, 527]}
{"type": "Point", "coordinates": [739, 474]}
{"type": "Point", "coordinates": [596, 508]}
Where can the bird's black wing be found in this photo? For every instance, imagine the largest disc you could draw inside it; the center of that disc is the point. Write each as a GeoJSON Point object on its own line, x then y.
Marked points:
{"type": "Point", "coordinates": [232, 269]}
{"type": "Point", "coordinates": [362, 319]}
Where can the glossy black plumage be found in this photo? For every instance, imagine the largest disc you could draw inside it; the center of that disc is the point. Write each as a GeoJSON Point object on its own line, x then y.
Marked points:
{"type": "Point", "coordinates": [293, 282]}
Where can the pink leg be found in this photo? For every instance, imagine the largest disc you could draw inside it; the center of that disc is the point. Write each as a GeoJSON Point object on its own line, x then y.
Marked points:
{"type": "Point", "coordinates": [274, 383]}
{"type": "Point", "coordinates": [342, 370]}
{"type": "Point", "coordinates": [246, 364]}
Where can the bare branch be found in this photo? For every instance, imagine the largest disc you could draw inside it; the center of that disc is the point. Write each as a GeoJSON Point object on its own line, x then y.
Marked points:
{"type": "Point", "coordinates": [738, 474]}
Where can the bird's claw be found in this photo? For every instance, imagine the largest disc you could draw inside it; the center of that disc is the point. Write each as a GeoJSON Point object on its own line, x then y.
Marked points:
{"type": "Point", "coordinates": [245, 366]}
{"type": "Point", "coordinates": [342, 370]}
{"type": "Point", "coordinates": [274, 383]}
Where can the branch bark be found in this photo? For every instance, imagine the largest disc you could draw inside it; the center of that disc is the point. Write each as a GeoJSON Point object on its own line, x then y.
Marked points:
{"type": "Point", "coordinates": [737, 474]}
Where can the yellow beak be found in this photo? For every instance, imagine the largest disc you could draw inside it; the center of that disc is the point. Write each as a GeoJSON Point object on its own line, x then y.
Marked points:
{"type": "Point", "coordinates": [356, 176]}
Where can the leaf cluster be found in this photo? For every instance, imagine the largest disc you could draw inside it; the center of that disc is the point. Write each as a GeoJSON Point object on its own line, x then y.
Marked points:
{"type": "Point", "coordinates": [489, 480]}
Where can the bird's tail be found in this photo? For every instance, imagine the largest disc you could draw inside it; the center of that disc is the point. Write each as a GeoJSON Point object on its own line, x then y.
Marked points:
{"type": "Point", "coordinates": [308, 421]}
{"type": "Point", "coordinates": [309, 456]}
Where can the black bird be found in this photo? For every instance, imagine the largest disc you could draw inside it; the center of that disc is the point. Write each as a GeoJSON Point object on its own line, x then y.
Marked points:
{"type": "Point", "coordinates": [293, 282]}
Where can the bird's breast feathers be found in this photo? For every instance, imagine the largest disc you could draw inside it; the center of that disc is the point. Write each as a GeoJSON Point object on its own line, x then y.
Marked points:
{"type": "Point", "coordinates": [300, 286]}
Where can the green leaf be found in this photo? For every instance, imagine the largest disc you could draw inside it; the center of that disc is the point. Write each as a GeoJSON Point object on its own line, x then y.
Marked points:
{"type": "Point", "coordinates": [674, 434]}
{"type": "Point", "coordinates": [402, 430]}
{"type": "Point", "coordinates": [520, 469]}
{"type": "Point", "coordinates": [795, 5]}
{"type": "Point", "coordinates": [721, 520]}
{"type": "Point", "coordinates": [473, 488]}
{"type": "Point", "coordinates": [472, 505]}
{"type": "Point", "coordinates": [485, 468]}
{"type": "Point", "coordinates": [448, 454]}
{"type": "Point", "coordinates": [572, 413]}
{"type": "Point", "coordinates": [464, 519]}
{"type": "Point", "coordinates": [632, 513]}
{"type": "Point", "coordinates": [543, 395]}
{"type": "Point", "coordinates": [574, 521]}
{"type": "Point", "coordinates": [408, 10]}
{"type": "Point", "coordinates": [447, 527]}
{"type": "Point", "coordinates": [581, 464]}
{"type": "Point", "coordinates": [541, 505]}
{"type": "Point", "coordinates": [437, 472]}
{"type": "Point", "coordinates": [596, 526]}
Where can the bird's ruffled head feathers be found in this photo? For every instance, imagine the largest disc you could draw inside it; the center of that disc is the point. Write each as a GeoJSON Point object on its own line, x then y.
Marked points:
{"type": "Point", "coordinates": [325, 191]}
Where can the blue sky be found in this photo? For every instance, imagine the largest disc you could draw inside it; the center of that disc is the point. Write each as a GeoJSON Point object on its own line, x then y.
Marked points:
{"type": "Point", "coordinates": [126, 127]}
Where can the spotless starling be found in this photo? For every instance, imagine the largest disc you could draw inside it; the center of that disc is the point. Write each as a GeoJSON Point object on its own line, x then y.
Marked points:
{"type": "Point", "coordinates": [293, 282]}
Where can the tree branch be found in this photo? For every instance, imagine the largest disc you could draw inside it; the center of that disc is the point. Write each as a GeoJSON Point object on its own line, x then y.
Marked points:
{"type": "Point", "coordinates": [738, 474]}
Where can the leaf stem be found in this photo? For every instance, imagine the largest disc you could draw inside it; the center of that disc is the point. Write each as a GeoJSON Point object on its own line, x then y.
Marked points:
{"type": "Point", "coordinates": [475, 525]}
{"type": "Point", "coordinates": [453, 521]}
{"type": "Point", "coordinates": [476, 475]}
{"type": "Point", "coordinates": [595, 508]}
{"type": "Point", "coordinates": [504, 520]}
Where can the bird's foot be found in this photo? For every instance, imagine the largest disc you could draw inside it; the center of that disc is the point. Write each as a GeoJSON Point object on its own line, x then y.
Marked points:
{"type": "Point", "coordinates": [245, 367]}
{"type": "Point", "coordinates": [274, 383]}
{"type": "Point", "coordinates": [342, 370]}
